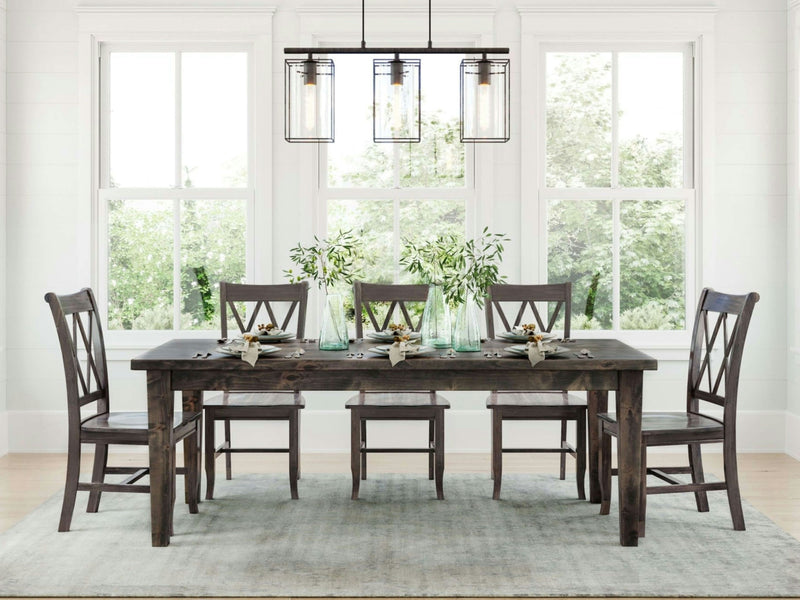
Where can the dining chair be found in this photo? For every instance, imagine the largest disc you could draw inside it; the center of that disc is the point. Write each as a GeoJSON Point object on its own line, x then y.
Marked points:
{"type": "Point", "coordinates": [81, 335]}
{"type": "Point", "coordinates": [720, 328]}
{"type": "Point", "coordinates": [256, 406]}
{"type": "Point", "coordinates": [545, 303]}
{"type": "Point", "coordinates": [399, 406]}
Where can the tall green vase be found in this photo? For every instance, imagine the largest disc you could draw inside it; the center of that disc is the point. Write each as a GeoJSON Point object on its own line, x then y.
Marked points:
{"type": "Point", "coordinates": [333, 335]}
{"type": "Point", "coordinates": [435, 329]}
{"type": "Point", "coordinates": [466, 329]}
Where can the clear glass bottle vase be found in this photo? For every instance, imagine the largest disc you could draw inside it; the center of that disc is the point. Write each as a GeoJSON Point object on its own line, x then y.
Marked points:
{"type": "Point", "coordinates": [435, 329]}
{"type": "Point", "coordinates": [333, 335]}
{"type": "Point", "coordinates": [466, 329]}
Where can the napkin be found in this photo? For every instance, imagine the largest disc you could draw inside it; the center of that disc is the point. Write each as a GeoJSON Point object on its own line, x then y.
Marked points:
{"type": "Point", "coordinates": [397, 351]}
{"type": "Point", "coordinates": [250, 354]}
{"type": "Point", "coordinates": [535, 352]}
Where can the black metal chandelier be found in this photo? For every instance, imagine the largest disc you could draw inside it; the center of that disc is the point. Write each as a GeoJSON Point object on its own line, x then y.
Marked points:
{"type": "Point", "coordinates": [396, 97]}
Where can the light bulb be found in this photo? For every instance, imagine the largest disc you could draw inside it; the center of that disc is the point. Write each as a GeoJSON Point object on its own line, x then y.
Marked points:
{"type": "Point", "coordinates": [484, 102]}
{"type": "Point", "coordinates": [397, 108]}
{"type": "Point", "coordinates": [310, 109]}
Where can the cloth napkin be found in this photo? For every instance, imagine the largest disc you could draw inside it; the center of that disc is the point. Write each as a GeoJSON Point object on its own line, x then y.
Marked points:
{"type": "Point", "coordinates": [397, 351]}
{"type": "Point", "coordinates": [250, 354]}
{"type": "Point", "coordinates": [535, 352]}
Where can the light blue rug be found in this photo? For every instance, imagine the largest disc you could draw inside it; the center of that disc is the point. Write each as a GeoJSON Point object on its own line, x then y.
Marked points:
{"type": "Point", "coordinates": [398, 540]}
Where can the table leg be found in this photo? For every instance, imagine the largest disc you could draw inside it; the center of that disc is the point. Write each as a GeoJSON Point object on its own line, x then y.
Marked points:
{"type": "Point", "coordinates": [438, 435]}
{"type": "Point", "coordinates": [597, 401]}
{"type": "Point", "coordinates": [160, 413]}
{"type": "Point", "coordinates": [193, 402]}
{"type": "Point", "coordinates": [629, 454]}
{"type": "Point", "coordinates": [355, 450]}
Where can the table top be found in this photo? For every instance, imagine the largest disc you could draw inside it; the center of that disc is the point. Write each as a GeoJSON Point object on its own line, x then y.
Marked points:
{"type": "Point", "coordinates": [177, 355]}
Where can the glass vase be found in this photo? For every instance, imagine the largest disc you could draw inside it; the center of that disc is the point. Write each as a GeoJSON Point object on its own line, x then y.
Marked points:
{"type": "Point", "coordinates": [333, 335]}
{"type": "Point", "coordinates": [466, 329]}
{"type": "Point", "coordinates": [435, 330]}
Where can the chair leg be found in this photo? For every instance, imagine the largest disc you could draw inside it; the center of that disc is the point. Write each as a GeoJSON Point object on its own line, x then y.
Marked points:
{"type": "Point", "coordinates": [643, 493]}
{"type": "Point", "coordinates": [491, 451]}
{"type": "Point", "coordinates": [497, 451]}
{"type": "Point", "coordinates": [191, 460]}
{"type": "Point", "coordinates": [71, 485]}
{"type": "Point", "coordinates": [98, 475]}
{"type": "Point", "coordinates": [431, 440]}
{"type": "Point", "coordinates": [363, 454]}
{"type": "Point", "coordinates": [294, 452]}
{"type": "Point", "coordinates": [580, 450]}
{"type": "Point", "coordinates": [732, 482]}
{"type": "Point", "coordinates": [355, 451]}
{"type": "Point", "coordinates": [439, 445]}
{"type": "Point", "coordinates": [228, 446]}
{"type": "Point", "coordinates": [696, 463]}
{"type": "Point", "coordinates": [298, 444]}
{"type": "Point", "coordinates": [605, 472]}
{"type": "Point", "coordinates": [562, 472]}
{"type": "Point", "coordinates": [209, 454]}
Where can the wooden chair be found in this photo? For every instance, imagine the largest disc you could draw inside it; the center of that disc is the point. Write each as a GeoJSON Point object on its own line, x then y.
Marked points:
{"type": "Point", "coordinates": [256, 406]}
{"type": "Point", "coordinates": [535, 406]}
{"type": "Point", "coordinates": [403, 406]}
{"type": "Point", "coordinates": [79, 332]}
{"type": "Point", "coordinates": [713, 331]}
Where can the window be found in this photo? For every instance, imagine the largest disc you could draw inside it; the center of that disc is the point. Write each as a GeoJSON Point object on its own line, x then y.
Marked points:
{"type": "Point", "coordinates": [175, 188]}
{"type": "Point", "coordinates": [618, 185]}
{"type": "Point", "coordinates": [388, 192]}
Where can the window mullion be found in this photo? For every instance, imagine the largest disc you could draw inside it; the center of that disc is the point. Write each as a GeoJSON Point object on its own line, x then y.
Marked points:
{"type": "Point", "coordinates": [178, 122]}
{"type": "Point", "coordinates": [396, 229]}
{"type": "Point", "coordinates": [176, 264]}
{"type": "Point", "coordinates": [616, 202]}
{"type": "Point", "coordinates": [614, 120]}
{"type": "Point", "coordinates": [615, 263]}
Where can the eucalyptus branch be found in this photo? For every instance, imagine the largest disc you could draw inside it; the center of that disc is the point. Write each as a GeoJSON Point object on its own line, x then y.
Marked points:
{"type": "Point", "coordinates": [327, 261]}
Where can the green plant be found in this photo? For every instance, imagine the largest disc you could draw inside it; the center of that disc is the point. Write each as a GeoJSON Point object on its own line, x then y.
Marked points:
{"type": "Point", "coordinates": [327, 261]}
{"type": "Point", "coordinates": [462, 268]}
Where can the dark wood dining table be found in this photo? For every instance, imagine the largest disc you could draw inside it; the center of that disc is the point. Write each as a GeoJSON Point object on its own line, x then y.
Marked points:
{"type": "Point", "coordinates": [615, 366]}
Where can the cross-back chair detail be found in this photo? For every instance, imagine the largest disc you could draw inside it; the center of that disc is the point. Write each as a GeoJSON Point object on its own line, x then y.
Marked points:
{"type": "Point", "coordinates": [558, 295]}
{"type": "Point", "coordinates": [720, 327]}
{"type": "Point", "coordinates": [79, 332]}
{"type": "Point", "coordinates": [264, 296]}
{"type": "Point", "coordinates": [546, 302]}
{"type": "Point", "coordinates": [365, 294]}
{"type": "Point", "coordinates": [257, 406]}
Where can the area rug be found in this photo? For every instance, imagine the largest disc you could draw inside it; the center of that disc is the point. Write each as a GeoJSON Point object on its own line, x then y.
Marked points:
{"type": "Point", "coordinates": [397, 540]}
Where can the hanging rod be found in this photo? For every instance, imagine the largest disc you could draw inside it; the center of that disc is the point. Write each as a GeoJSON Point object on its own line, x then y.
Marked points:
{"type": "Point", "coordinates": [423, 50]}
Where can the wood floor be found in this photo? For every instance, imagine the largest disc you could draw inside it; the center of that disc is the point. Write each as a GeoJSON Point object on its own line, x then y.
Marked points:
{"type": "Point", "coordinates": [769, 482]}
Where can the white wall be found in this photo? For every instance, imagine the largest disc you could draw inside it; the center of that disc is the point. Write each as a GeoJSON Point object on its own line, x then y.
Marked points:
{"type": "Point", "coordinates": [745, 243]}
{"type": "Point", "coordinates": [3, 129]}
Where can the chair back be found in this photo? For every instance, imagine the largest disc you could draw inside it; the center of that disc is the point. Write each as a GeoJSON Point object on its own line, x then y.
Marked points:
{"type": "Point", "coordinates": [720, 326]}
{"type": "Point", "coordinates": [263, 300]}
{"type": "Point", "coordinates": [545, 302]}
{"type": "Point", "coordinates": [397, 295]}
{"type": "Point", "coordinates": [79, 333]}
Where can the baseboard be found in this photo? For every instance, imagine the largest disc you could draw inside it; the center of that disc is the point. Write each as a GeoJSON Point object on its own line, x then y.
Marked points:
{"type": "Point", "coordinates": [793, 435]}
{"type": "Point", "coordinates": [467, 431]}
{"type": "Point", "coordinates": [3, 433]}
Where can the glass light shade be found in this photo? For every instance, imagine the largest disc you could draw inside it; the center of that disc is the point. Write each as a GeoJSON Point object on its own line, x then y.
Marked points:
{"type": "Point", "coordinates": [309, 88]}
{"type": "Point", "coordinates": [396, 100]}
{"type": "Point", "coordinates": [485, 96]}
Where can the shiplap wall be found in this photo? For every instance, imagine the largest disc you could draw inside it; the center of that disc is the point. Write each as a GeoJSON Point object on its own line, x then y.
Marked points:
{"type": "Point", "coordinates": [793, 236]}
{"type": "Point", "coordinates": [3, 250]}
{"type": "Point", "coordinates": [745, 245]}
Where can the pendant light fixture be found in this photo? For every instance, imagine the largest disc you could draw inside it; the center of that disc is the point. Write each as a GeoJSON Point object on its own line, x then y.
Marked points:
{"type": "Point", "coordinates": [309, 114]}
{"type": "Point", "coordinates": [396, 109]}
{"type": "Point", "coordinates": [485, 110]}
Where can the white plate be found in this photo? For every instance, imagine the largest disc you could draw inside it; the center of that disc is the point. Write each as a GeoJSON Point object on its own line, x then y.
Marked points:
{"type": "Point", "coordinates": [275, 337]}
{"type": "Point", "coordinates": [418, 351]}
{"type": "Point", "coordinates": [388, 336]}
{"type": "Point", "coordinates": [521, 337]}
{"type": "Point", "coordinates": [522, 351]}
{"type": "Point", "coordinates": [238, 350]}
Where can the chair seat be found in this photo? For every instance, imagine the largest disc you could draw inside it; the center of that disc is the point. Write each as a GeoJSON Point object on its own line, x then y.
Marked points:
{"type": "Point", "coordinates": [397, 399]}
{"type": "Point", "coordinates": [130, 422]}
{"type": "Point", "coordinates": [657, 424]}
{"type": "Point", "coordinates": [533, 399]}
{"type": "Point", "coordinates": [256, 399]}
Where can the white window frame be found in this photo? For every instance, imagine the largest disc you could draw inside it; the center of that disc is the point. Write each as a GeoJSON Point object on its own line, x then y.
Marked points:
{"type": "Point", "coordinates": [616, 194]}
{"type": "Point", "coordinates": [184, 26]}
{"type": "Point", "coordinates": [634, 22]}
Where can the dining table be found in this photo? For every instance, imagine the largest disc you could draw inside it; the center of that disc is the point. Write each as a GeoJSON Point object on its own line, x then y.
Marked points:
{"type": "Point", "coordinates": [596, 366]}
